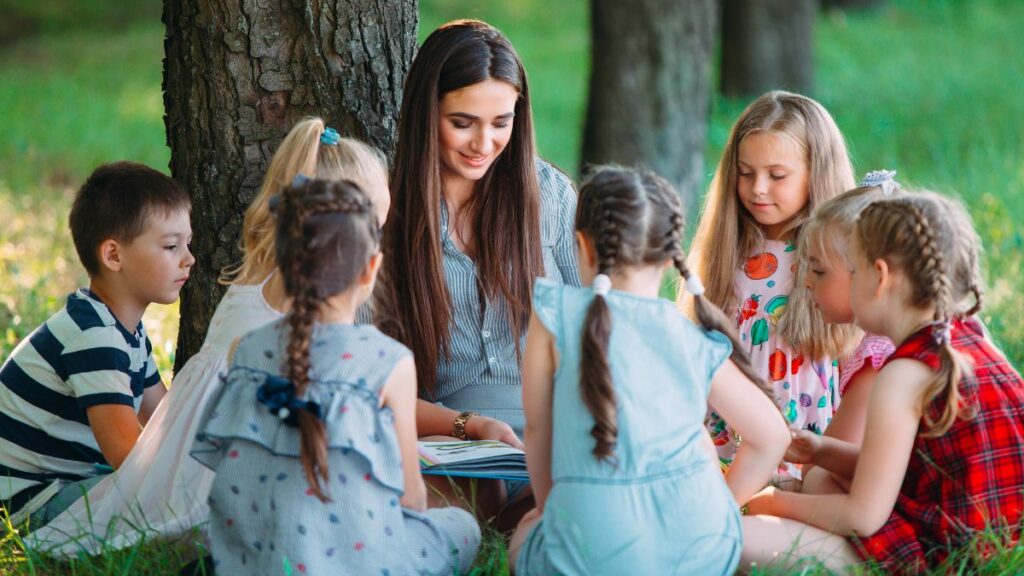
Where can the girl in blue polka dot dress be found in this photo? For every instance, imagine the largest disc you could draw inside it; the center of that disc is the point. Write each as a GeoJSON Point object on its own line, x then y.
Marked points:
{"type": "Point", "coordinates": [313, 436]}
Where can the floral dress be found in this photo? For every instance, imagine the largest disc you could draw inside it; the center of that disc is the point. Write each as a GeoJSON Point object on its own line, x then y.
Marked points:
{"type": "Point", "coordinates": [806, 391]}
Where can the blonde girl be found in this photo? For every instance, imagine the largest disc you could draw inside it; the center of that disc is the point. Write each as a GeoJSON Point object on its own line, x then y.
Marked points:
{"type": "Point", "coordinates": [943, 453]}
{"type": "Point", "coordinates": [822, 247]}
{"type": "Point", "coordinates": [160, 491]}
{"type": "Point", "coordinates": [784, 156]}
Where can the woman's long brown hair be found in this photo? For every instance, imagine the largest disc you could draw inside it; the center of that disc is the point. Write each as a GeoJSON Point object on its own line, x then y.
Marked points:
{"type": "Point", "coordinates": [326, 234]}
{"type": "Point", "coordinates": [412, 300]}
{"type": "Point", "coordinates": [634, 218]}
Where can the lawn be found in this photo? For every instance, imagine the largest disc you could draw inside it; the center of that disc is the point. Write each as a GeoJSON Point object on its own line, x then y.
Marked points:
{"type": "Point", "coordinates": [930, 89]}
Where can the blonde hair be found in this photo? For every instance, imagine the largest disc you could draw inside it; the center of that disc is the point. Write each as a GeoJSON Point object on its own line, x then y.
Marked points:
{"type": "Point", "coordinates": [727, 233]}
{"type": "Point", "coordinates": [930, 240]}
{"type": "Point", "coordinates": [300, 153]}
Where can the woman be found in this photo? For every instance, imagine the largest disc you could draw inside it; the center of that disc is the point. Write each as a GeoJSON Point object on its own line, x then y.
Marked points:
{"type": "Point", "coordinates": [476, 216]}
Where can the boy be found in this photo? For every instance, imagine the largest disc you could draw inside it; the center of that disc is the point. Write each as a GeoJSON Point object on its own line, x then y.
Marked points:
{"type": "Point", "coordinates": [75, 393]}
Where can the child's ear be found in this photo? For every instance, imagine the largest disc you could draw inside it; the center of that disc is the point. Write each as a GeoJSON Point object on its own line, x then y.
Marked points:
{"type": "Point", "coordinates": [370, 272]}
{"type": "Point", "coordinates": [884, 274]}
{"type": "Point", "coordinates": [110, 255]}
{"type": "Point", "coordinates": [587, 249]}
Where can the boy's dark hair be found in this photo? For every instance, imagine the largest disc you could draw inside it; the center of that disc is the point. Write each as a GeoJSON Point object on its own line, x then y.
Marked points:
{"type": "Point", "coordinates": [115, 203]}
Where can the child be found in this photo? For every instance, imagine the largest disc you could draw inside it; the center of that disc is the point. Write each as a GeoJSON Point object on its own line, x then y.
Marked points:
{"type": "Point", "coordinates": [161, 491]}
{"type": "Point", "coordinates": [822, 245]}
{"type": "Point", "coordinates": [784, 156]}
{"type": "Point", "coordinates": [616, 384]}
{"type": "Point", "coordinates": [77, 391]}
{"type": "Point", "coordinates": [943, 451]}
{"type": "Point", "coordinates": [313, 436]}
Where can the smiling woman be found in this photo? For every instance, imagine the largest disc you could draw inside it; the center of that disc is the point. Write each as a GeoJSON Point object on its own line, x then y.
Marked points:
{"type": "Point", "coordinates": [476, 216]}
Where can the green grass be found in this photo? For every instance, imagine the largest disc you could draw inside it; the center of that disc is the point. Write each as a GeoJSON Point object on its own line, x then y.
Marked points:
{"type": "Point", "coordinates": [931, 89]}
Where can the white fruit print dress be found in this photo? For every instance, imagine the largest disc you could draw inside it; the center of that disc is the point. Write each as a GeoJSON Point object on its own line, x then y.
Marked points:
{"type": "Point", "coordinates": [806, 391]}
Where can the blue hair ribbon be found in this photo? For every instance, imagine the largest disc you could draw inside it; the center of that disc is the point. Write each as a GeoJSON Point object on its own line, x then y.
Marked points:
{"type": "Point", "coordinates": [278, 394]}
{"type": "Point", "coordinates": [330, 136]}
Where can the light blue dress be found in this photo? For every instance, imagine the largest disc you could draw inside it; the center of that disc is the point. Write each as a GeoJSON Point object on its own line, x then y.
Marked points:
{"type": "Point", "coordinates": [263, 516]}
{"type": "Point", "coordinates": [665, 508]}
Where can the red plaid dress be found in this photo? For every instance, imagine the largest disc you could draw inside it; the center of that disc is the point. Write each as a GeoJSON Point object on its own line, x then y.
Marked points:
{"type": "Point", "coordinates": [968, 480]}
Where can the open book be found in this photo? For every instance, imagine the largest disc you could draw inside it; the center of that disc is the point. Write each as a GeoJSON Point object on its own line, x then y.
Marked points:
{"type": "Point", "coordinates": [473, 459]}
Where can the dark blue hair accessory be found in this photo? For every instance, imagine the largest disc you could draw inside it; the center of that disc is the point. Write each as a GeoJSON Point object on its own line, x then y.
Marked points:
{"type": "Point", "coordinates": [300, 179]}
{"type": "Point", "coordinates": [278, 394]}
{"type": "Point", "coordinates": [330, 136]}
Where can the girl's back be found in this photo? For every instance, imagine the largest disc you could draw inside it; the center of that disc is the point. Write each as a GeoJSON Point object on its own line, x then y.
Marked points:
{"type": "Point", "coordinates": [663, 476]}
{"type": "Point", "coordinates": [264, 515]}
{"type": "Point", "coordinates": [661, 366]}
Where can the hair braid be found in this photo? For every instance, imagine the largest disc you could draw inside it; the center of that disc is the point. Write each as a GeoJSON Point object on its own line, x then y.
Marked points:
{"type": "Point", "coordinates": [309, 241]}
{"type": "Point", "coordinates": [596, 388]}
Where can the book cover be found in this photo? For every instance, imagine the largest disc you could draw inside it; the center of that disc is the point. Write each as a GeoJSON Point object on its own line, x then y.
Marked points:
{"type": "Point", "coordinates": [473, 459]}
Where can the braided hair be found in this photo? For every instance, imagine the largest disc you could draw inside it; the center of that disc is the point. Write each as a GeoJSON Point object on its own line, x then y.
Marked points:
{"type": "Point", "coordinates": [916, 235]}
{"type": "Point", "coordinates": [634, 217]}
{"type": "Point", "coordinates": [326, 235]}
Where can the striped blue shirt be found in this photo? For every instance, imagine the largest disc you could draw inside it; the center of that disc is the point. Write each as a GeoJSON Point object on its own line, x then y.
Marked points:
{"type": "Point", "coordinates": [482, 347]}
{"type": "Point", "coordinates": [79, 358]}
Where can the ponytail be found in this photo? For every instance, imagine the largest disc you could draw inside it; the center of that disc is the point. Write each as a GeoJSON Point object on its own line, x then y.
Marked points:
{"type": "Point", "coordinates": [596, 378]}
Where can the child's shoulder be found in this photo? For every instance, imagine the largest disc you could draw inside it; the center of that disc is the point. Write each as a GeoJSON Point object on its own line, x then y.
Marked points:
{"type": "Point", "coordinates": [86, 322]}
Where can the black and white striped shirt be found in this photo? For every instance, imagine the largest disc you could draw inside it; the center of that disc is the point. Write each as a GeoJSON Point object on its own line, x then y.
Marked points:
{"type": "Point", "coordinates": [79, 358]}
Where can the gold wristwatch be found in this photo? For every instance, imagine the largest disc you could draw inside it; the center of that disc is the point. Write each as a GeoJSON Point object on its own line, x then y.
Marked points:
{"type": "Point", "coordinates": [459, 426]}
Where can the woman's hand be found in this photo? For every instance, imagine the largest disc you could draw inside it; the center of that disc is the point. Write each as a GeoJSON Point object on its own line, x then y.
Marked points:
{"type": "Point", "coordinates": [484, 428]}
{"type": "Point", "coordinates": [803, 447]}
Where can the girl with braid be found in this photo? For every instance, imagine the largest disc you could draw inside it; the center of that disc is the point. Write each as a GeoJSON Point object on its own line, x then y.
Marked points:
{"type": "Point", "coordinates": [160, 491]}
{"type": "Point", "coordinates": [785, 156]}
{"type": "Point", "coordinates": [312, 438]}
{"type": "Point", "coordinates": [616, 383]}
{"type": "Point", "coordinates": [942, 461]}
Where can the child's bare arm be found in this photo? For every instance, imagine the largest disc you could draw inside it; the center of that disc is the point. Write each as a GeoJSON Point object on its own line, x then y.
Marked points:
{"type": "Point", "coordinates": [151, 399]}
{"type": "Point", "coordinates": [399, 394]}
{"type": "Point", "coordinates": [892, 424]}
{"type": "Point", "coordinates": [116, 428]}
{"type": "Point", "coordinates": [759, 423]}
{"type": "Point", "coordinates": [538, 373]}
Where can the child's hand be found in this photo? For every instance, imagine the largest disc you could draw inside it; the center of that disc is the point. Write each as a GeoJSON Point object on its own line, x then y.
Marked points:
{"type": "Point", "coordinates": [762, 503]}
{"type": "Point", "coordinates": [415, 496]}
{"type": "Point", "coordinates": [484, 428]}
{"type": "Point", "coordinates": [803, 446]}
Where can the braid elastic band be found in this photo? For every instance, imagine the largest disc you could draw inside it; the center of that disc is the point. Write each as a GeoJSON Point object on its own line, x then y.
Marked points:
{"type": "Point", "coordinates": [330, 137]}
{"type": "Point", "coordinates": [602, 284]}
{"type": "Point", "coordinates": [884, 179]}
{"type": "Point", "coordinates": [942, 333]}
{"type": "Point", "coordinates": [694, 285]}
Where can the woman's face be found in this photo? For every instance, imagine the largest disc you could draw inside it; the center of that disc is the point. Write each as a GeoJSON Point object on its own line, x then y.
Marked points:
{"type": "Point", "coordinates": [476, 125]}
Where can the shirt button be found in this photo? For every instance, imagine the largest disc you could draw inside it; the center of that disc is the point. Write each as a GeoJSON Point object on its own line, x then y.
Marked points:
{"type": "Point", "coordinates": [492, 360]}
{"type": "Point", "coordinates": [487, 333]}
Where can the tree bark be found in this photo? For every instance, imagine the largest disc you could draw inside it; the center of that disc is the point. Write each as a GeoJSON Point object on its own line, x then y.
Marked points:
{"type": "Point", "coordinates": [767, 45]}
{"type": "Point", "coordinates": [237, 76]}
{"type": "Point", "coordinates": [650, 87]}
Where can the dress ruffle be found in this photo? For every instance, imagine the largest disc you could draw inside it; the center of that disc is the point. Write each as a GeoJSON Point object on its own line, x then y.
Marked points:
{"type": "Point", "coordinates": [235, 414]}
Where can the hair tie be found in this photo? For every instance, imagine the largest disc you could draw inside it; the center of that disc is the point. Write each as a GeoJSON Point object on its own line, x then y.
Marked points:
{"type": "Point", "coordinates": [602, 284]}
{"type": "Point", "coordinates": [942, 332]}
{"type": "Point", "coordinates": [278, 394]}
{"type": "Point", "coordinates": [330, 136]}
{"type": "Point", "coordinates": [694, 285]}
{"type": "Point", "coordinates": [884, 179]}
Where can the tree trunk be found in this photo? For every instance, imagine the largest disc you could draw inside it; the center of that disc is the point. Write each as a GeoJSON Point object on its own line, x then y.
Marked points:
{"type": "Point", "coordinates": [650, 87]}
{"type": "Point", "coordinates": [237, 76]}
{"type": "Point", "coordinates": [851, 5]}
{"type": "Point", "coordinates": [767, 45]}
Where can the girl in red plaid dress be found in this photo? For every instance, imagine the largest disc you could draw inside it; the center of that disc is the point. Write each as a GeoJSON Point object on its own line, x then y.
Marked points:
{"type": "Point", "coordinates": [942, 461]}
